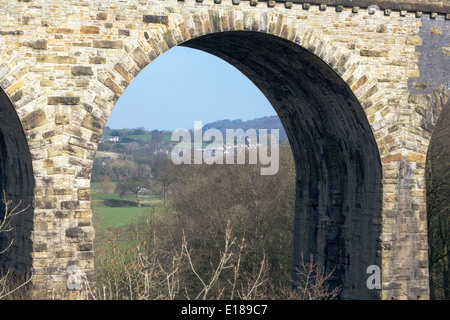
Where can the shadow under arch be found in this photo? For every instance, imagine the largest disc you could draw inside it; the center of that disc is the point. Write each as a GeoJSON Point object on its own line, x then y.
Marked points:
{"type": "Point", "coordinates": [339, 190]}
{"type": "Point", "coordinates": [16, 185]}
{"type": "Point", "coordinates": [437, 176]}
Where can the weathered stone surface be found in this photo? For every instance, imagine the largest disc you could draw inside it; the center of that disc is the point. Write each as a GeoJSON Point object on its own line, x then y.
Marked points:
{"type": "Point", "coordinates": [414, 41]}
{"type": "Point", "coordinates": [34, 119]}
{"type": "Point", "coordinates": [84, 194]}
{"type": "Point", "coordinates": [124, 73]}
{"type": "Point", "coordinates": [74, 150]}
{"type": "Point", "coordinates": [40, 44]}
{"type": "Point", "coordinates": [436, 30]}
{"type": "Point", "coordinates": [140, 58]}
{"type": "Point", "coordinates": [124, 32]}
{"type": "Point", "coordinates": [63, 100]}
{"type": "Point", "coordinates": [82, 71]}
{"type": "Point", "coordinates": [93, 123]}
{"type": "Point", "coordinates": [75, 232]}
{"type": "Point", "coordinates": [56, 59]}
{"type": "Point", "coordinates": [412, 73]}
{"type": "Point", "coordinates": [374, 53]}
{"type": "Point", "coordinates": [70, 205]}
{"type": "Point", "coordinates": [11, 33]}
{"type": "Point", "coordinates": [4, 69]}
{"type": "Point", "coordinates": [59, 30]}
{"type": "Point", "coordinates": [108, 44]}
{"type": "Point", "coordinates": [109, 83]}
{"type": "Point", "coordinates": [102, 16]}
{"type": "Point", "coordinates": [150, 18]}
{"type": "Point", "coordinates": [97, 60]}
{"type": "Point", "coordinates": [90, 30]}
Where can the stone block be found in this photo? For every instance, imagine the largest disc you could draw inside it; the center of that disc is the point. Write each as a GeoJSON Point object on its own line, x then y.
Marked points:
{"type": "Point", "coordinates": [412, 73]}
{"type": "Point", "coordinates": [82, 71]}
{"type": "Point", "coordinates": [40, 247]}
{"type": "Point", "coordinates": [436, 30]}
{"type": "Point", "coordinates": [90, 30]}
{"type": "Point", "coordinates": [150, 18]}
{"type": "Point", "coordinates": [61, 100]}
{"type": "Point", "coordinates": [70, 205]}
{"type": "Point", "coordinates": [374, 52]}
{"type": "Point", "coordinates": [34, 119]}
{"type": "Point", "coordinates": [84, 194]}
{"type": "Point", "coordinates": [93, 123]}
{"type": "Point", "coordinates": [124, 32]}
{"type": "Point", "coordinates": [97, 60]}
{"type": "Point", "coordinates": [445, 51]}
{"type": "Point", "coordinates": [108, 44]}
{"type": "Point", "coordinates": [140, 58]}
{"type": "Point", "coordinates": [15, 86]}
{"type": "Point", "coordinates": [46, 202]}
{"type": "Point", "coordinates": [416, 157]}
{"type": "Point", "coordinates": [101, 16]}
{"type": "Point", "coordinates": [58, 191]}
{"type": "Point", "coordinates": [392, 157]}
{"type": "Point", "coordinates": [40, 44]}
{"type": "Point", "coordinates": [109, 83]}
{"type": "Point", "coordinates": [74, 232]}
{"type": "Point", "coordinates": [85, 247]}
{"type": "Point", "coordinates": [414, 41]}
{"type": "Point", "coordinates": [56, 59]}
{"type": "Point", "coordinates": [74, 151]}
{"type": "Point", "coordinates": [65, 254]}
{"type": "Point", "coordinates": [124, 73]}
{"type": "Point", "coordinates": [62, 214]}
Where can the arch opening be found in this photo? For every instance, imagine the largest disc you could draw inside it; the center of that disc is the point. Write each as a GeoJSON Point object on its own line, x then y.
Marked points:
{"type": "Point", "coordinates": [16, 187]}
{"type": "Point", "coordinates": [338, 167]}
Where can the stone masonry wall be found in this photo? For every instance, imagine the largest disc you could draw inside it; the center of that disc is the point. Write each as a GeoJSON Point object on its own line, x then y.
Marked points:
{"type": "Point", "coordinates": [434, 56]}
{"type": "Point", "coordinates": [64, 64]}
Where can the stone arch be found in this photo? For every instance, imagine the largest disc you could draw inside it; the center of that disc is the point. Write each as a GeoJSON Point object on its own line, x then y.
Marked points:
{"type": "Point", "coordinates": [339, 196]}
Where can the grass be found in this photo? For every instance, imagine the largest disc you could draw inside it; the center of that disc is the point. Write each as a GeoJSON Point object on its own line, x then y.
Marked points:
{"type": "Point", "coordinates": [117, 216]}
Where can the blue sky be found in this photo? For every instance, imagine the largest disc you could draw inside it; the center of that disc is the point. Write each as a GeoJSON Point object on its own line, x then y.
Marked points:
{"type": "Point", "coordinates": [184, 85]}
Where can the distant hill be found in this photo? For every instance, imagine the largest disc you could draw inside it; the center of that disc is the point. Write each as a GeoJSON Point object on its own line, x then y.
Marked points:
{"type": "Point", "coordinates": [143, 136]}
{"type": "Point", "coordinates": [268, 122]}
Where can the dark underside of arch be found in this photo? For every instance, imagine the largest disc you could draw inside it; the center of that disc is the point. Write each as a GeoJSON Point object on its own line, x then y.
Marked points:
{"type": "Point", "coordinates": [437, 175]}
{"type": "Point", "coordinates": [16, 184]}
{"type": "Point", "coordinates": [338, 197]}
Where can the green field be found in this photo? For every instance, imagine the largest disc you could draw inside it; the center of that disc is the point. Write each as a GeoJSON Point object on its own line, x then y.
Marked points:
{"type": "Point", "coordinates": [116, 217]}
{"type": "Point", "coordinates": [123, 212]}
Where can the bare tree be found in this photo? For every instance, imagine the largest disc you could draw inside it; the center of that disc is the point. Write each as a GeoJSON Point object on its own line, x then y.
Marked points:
{"type": "Point", "coordinates": [438, 208]}
{"type": "Point", "coordinates": [8, 287]}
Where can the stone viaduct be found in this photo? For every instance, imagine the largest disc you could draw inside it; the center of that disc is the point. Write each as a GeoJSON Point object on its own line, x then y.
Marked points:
{"type": "Point", "coordinates": [359, 89]}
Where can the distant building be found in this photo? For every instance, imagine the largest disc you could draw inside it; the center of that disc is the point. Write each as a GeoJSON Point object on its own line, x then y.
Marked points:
{"type": "Point", "coordinates": [111, 139]}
